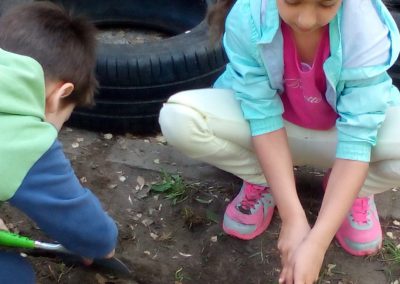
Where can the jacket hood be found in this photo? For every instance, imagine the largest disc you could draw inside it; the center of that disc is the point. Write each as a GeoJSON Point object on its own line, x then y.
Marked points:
{"type": "Point", "coordinates": [24, 134]}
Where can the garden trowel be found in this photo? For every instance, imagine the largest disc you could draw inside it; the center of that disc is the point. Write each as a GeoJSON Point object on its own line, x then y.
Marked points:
{"type": "Point", "coordinates": [113, 265]}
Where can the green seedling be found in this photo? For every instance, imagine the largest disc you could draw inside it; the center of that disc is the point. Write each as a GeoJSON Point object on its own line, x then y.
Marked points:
{"type": "Point", "coordinates": [173, 186]}
{"type": "Point", "coordinates": [179, 275]}
{"type": "Point", "coordinates": [391, 255]}
{"type": "Point", "coordinates": [212, 216]}
{"type": "Point", "coordinates": [392, 251]}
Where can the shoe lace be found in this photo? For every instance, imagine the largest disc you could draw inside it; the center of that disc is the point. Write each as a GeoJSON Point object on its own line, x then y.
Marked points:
{"type": "Point", "coordinates": [252, 194]}
{"type": "Point", "coordinates": [359, 211]}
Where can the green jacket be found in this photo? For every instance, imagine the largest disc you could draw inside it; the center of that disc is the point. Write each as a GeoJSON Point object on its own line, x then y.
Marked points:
{"type": "Point", "coordinates": [24, 134]}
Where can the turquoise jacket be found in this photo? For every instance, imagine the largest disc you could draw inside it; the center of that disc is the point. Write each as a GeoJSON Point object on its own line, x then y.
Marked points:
{"type": "Point", "coordinates": [364, 44]}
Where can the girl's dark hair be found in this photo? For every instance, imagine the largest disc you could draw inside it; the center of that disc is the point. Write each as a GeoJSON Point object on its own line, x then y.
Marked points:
{"type": "Point", "coordinates": [216, 17]}
{"type": "Point", "coordinates": [64, 45]}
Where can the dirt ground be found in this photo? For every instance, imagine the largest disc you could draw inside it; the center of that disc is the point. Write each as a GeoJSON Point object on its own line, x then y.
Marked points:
{"type": "Point", "coordinates": [164, 242]}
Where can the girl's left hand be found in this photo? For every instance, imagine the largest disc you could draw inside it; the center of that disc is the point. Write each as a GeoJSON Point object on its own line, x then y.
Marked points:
{"type": "Point", "coordinates": [307, 262]}
{"type": "Point", "coordinates": [293, 233]}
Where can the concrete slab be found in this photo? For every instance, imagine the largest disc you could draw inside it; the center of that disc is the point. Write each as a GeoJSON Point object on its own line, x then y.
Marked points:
{"type": "Point", "coordinates": [155, 156]}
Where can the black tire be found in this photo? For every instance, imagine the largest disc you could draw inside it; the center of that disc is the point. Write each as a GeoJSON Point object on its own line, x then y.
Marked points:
{"type": "Point", "coordinates": [392, 4]}
{"type": "Point", "coordinates": [136, 79]}
{"type": "Point", "coordinates": [394, 72]}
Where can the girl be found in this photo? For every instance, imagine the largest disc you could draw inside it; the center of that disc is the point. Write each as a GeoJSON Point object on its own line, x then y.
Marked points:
{"type": "Point", "coordinates": [306, 84]}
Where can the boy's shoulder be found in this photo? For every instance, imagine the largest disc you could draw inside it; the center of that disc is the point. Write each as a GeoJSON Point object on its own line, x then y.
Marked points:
{"type": "Point", "coordinates": [25, 136]}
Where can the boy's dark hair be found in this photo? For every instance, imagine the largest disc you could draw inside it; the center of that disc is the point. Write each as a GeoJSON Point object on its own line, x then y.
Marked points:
{"type": "Point", "coordinates": [64, 45]}
{"type": "Point", "coordinates": [216, 17]}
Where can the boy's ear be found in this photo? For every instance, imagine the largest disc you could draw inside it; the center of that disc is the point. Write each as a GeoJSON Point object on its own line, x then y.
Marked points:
{"type": "Point", "coordinates": [53, 99]}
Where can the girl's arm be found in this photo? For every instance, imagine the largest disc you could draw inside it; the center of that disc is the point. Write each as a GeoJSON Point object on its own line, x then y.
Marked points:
{"type": "Point", "coordinates": [345, 182]}
{"type": "Point", "coordinates": [273, 153]}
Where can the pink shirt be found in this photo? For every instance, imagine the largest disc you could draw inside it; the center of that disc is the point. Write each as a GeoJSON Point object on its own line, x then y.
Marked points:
{"type": "Point", "coordinates": [305, 86]}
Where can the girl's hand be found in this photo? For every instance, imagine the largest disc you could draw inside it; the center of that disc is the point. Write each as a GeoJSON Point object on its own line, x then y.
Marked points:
{"type": "Point", "coordinates": [293, 233]}
{"type": "Point", "coordinates": [307, 262]}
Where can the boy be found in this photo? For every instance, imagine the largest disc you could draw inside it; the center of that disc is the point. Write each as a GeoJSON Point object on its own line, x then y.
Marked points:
{"type": "Point", "coordinates": [47, 61]}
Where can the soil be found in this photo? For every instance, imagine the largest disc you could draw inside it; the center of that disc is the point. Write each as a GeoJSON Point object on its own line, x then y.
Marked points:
{"type": "Point", "coordinates": [129, 36]}
{"type": "Point", "coordinates": [163, 241]}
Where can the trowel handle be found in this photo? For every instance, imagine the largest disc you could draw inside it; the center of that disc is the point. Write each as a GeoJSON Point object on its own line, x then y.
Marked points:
{"type": "Point", "coordinates": [13, 240]}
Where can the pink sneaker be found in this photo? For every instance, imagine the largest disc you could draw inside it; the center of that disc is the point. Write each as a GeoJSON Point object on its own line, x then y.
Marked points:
{"type": "Point", "coordinates": [360, 233]}
{"type": "Point", "coordinates": [250, 213]}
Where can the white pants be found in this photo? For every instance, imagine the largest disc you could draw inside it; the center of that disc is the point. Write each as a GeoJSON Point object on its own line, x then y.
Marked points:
{"type": "Point", "coordinates": [208, 125]}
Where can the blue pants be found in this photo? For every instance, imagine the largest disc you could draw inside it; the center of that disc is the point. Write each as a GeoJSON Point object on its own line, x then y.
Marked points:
{"type": "Point", "coordinates": [15, 269]}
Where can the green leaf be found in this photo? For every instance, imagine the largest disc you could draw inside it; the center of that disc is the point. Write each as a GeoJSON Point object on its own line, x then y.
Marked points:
{"type": "Point", "coordinates": [203, 201]}
{"type": "Point", "coordinates": [161, 187]}
{"type": "Point", "coordinates": [212, 216]}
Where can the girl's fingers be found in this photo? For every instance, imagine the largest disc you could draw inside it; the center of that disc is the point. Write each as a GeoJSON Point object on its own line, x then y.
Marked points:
{"type": "Point", "coordinates": [286, 275]}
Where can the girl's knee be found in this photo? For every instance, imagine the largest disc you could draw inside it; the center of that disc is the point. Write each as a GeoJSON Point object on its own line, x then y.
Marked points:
{"type": "Point", "coordinates": [389, 169]}
{"type": "Point", "coordinates": [181, 125]}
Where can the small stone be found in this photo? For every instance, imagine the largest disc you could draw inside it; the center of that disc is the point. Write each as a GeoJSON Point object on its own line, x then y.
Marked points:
{"type": "Point", "coordinates": [161, 139]}
{"type": "Point", "coordinates": [122, 179]}
{"type": "Point", "coordinates": [147, 222]}
{"type": "Point", "coordinates": [214, 239]}
{"type": "Point", "coordinates": [390, 235]}
{"type": "Point", "coordinates": [141, 182]}
{"type": "Point", "coordinates": [75, 145]}
{"type": "Point", "coordinates": [112, 186]}
{"type": "Point", "coordinates": [154, 236]}
{"type": "Point", "coordinates": [397, 223]}
{"type": "Point", "coordinates": [137, 217]}
{"type": "Point", "coordinates": [108, 136]}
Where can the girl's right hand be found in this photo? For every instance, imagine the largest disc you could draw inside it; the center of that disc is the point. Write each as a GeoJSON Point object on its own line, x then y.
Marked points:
{"type": "Point", "coordinates": [292, 234]}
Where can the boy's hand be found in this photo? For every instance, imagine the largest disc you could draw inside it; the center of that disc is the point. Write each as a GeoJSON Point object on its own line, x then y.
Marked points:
{"type": "Point", "coordinates": [293, 233]}
{"type": "Point", "coordinates": [89, 261]}
{"type": "Point", "coordinates": [3, 226]}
